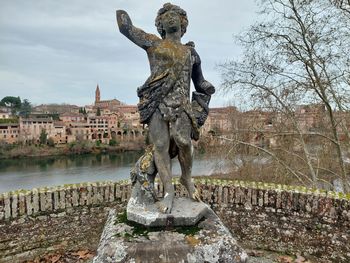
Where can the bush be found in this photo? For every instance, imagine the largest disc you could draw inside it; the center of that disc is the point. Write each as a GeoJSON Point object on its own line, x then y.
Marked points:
{"type": "Point", "coordinates": [11, 120]}
{"type": "Point", "coordinates": [51, 142]}
{"type": "Point", "coordinates": [79, 147]}
{"type": "Point", "coordinates": [71, 145]}
{"type": "Point", "coordinates": [113, 142]}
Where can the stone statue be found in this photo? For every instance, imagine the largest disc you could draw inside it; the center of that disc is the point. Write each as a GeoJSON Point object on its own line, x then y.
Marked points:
{"type": "Point", "coordinates": [165, 105]}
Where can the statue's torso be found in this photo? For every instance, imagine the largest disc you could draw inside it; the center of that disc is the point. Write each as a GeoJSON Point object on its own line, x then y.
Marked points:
{"type": "Point", "coordinates": [175, 59]}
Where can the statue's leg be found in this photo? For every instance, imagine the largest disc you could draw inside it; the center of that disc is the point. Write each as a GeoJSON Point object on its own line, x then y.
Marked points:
{"type": "Point", "coordinates": [181, 132]}
{"type": "Point", "coordinates": [159, 136]}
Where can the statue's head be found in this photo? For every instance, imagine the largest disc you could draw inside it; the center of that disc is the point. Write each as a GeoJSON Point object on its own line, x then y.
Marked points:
{"type": "Point", "coordinates": [169, 8]}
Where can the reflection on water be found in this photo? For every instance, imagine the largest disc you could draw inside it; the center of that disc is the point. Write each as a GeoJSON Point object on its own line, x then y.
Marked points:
{"type": "Point", "coordinates": [48, 171]}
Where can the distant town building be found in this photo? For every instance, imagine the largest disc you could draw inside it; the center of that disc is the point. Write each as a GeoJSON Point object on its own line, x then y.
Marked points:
{"type": "Point", "coordinates": [31, 128]}
{"type": "Point", "coordinates": [9, 133]}
{"type": "Point", "coordinates": [103, 105]}
{"type": "Point", "coordinates": [100, 128]}
{"type": "Point", "coordinates": [130, 116]}
{"type": "Point", "coordinates": [78, 131]}
{"type": "Point", "coordinates": [56, 108]}
{"type": "Point", "coordinates": [310, 117]}
{"type": "Point", "coordinates": [59, 134]}
{"type": "Point", "coordinates": [72, 117]}
{"type": "Point", "coordinates": [219, 121]}
{"type": "Point", "coordinates": [63, 123]}
{"type": "Point", "coordinates": [107, 120]}
{"type": "Point", "coordinates": [120, 122]}
{"type": "Point", "coordinates": [4, 114]}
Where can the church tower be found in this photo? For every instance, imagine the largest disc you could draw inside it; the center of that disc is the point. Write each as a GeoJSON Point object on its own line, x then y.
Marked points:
{"type": "Point", "coordinates": [97, 95]}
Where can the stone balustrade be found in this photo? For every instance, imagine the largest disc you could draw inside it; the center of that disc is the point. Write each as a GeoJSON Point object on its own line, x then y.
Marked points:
{"type": "Point", "coordinates": [213, 191]}
{"type": "Point", "coordinates": [56, 199]}
{"type": "Point", "coordinates": [282, 218]}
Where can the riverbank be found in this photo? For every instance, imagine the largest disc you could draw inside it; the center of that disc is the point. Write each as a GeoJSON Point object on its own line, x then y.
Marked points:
{"type": "Point", "coordinates": [16, 151]}
{"type": "Point", "coordinates": [75, 148]}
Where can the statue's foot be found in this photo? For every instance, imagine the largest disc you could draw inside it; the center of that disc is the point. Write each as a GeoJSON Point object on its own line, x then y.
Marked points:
{"type": "Point", "coordinates": [196, 196]}
{"type": "Point", "coordinates": [191, 189]}
{"type": "Point", "coordinates": [166, 204]}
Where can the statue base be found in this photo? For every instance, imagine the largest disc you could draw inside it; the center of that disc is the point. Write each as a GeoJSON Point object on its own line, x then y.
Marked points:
{"type": "Point", "coordinates": [185, 212]}
{"type": "Point", "coordinates": [208, 241]}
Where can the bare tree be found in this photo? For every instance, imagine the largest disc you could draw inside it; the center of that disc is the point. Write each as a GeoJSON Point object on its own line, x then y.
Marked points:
{"type": "Point", "coordinates": [298, 54]}
{"type": "Point", "coordinates": [343, 5]}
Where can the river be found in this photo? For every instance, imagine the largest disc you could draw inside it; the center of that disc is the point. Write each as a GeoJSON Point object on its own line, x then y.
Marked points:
{"type": "Point", "coordinates": [50, 171]}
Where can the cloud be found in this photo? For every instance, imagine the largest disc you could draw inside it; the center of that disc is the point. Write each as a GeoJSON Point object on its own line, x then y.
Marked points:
{"type": "Point", "coordinates": [57, 51]}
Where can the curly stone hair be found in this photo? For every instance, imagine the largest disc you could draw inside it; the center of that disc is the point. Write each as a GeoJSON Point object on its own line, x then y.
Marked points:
{"type": "Point", "coordinates": [167, 7]}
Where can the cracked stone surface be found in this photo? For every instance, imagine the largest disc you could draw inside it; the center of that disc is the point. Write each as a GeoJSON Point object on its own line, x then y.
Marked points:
{"type": "Point", "coordinates": [185, 212]}
{"type": "Point", "coordinates": [212, 243]}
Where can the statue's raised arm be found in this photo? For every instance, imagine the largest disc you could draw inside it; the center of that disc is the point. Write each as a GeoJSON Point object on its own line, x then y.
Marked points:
{"type": "Point", "coordinates": [136, 35]}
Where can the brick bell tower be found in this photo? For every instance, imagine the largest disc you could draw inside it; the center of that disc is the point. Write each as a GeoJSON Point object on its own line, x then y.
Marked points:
{"type": "Point", "coordinates": [97, 94]}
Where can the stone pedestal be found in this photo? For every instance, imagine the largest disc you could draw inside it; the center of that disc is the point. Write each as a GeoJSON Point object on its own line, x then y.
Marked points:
{"type": "Point", "coordinates": [209, 241]}
{"type": "Point", "coordinates": [185, 212]}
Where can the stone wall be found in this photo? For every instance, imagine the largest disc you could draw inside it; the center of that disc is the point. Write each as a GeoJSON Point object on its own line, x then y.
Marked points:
{"type": "Point", "coordinates": [56, 199]}
{"type": "Point", "coordinates": [267, 216]}
{"type": "Point", "coordinates": [46, 220]}
{"type": "Point", "coordinates": [285, 219]}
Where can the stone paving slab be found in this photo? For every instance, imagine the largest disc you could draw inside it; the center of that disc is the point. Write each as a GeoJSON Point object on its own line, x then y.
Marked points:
{"type": "Point", "coordinates": [185, 212]}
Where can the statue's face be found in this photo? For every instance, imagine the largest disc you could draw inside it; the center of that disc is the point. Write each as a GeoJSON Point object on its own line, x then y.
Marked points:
{"type": "Point", "coordinates": [171, 22]}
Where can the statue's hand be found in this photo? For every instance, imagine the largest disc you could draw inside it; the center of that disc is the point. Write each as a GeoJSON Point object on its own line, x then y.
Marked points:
{"type": "Point", "coordinates": [135, 34]}
{"type": "Point", "coordinates": [123, 18]}
{"type": "Point", "coordinates": [207, 87]}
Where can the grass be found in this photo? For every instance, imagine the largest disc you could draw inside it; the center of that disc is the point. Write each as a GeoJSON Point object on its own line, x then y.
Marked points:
{"type": "Point", "coordinates": [141, 230]}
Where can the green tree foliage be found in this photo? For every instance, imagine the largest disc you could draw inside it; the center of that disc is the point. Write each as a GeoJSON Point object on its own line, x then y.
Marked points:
{"type": "Point", "coordinates": [98, 113]}
{"type": "Point", "coordinates": [113, 142]}
{"type": "Point", "coordinates": [14, 103]}
{"type": "Point", "coordinates": [55, 116]}
{"type": "Point", "coordinates": [82, 110]}
{"type": "Point", "coordinates": [26, 108]}
{"type": "Point", "coordinates": [43, 137]}
{"type": "Point", "coordinates": [22, 108]}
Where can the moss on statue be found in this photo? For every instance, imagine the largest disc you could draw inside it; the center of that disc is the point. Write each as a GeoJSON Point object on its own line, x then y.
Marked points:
{"type": "Point", "coordinates": [141, 230]}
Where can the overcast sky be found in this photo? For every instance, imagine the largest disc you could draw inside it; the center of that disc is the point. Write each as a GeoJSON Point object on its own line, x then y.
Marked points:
{"type": "Point", "coordinates": [57, 51]}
